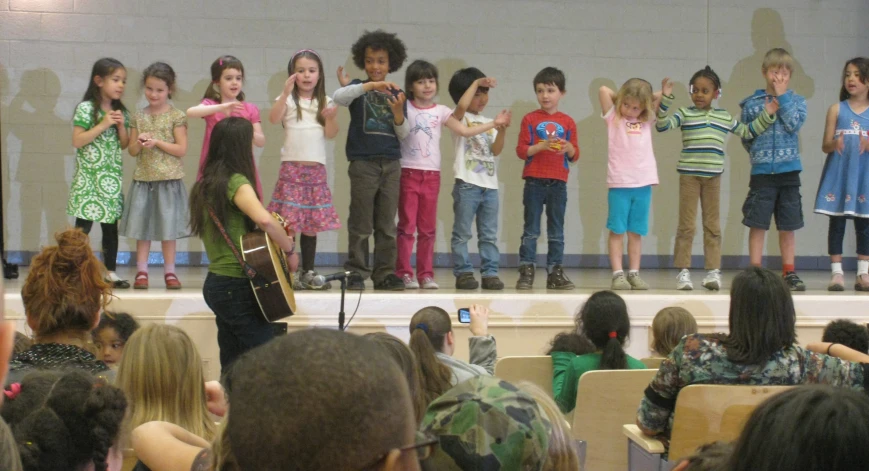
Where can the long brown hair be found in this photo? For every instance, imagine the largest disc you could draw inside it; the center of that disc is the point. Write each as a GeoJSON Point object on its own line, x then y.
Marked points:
{"type": "Point", "coordinates": [230, 151]}
{"type": "Point", "coordinates": [405, 358]}
{"type": "Point", "coordinates": [319, 89]}
{"type": "Point", "coordinates": [428, 331]}
{"type": "Point", "coordinates": [65, 289]}
{"type": "Point", "coordinates": [217, 67]}
{"type": "Point", "coordinates": [102, 68]}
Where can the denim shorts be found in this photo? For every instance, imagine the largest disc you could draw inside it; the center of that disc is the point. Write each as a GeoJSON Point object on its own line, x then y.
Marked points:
{"type": "Point", "coordinates": [785, 202]}
{"type": "Point", "coordinates": [629, 210]}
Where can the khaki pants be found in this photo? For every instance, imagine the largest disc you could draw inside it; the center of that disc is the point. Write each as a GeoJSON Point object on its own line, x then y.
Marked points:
{"type": "Point", "coordinates": [708, 191]}
{"type": "Point", "coordinates": [374, 188]}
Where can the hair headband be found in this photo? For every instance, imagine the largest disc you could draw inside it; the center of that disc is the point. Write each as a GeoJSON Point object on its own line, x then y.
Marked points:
{"type": "Point", "coordinates": [300, 51]}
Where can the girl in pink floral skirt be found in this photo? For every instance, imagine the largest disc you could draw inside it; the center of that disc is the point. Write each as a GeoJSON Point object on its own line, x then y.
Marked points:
{"type": "Point", "coordinates": [302, 195]}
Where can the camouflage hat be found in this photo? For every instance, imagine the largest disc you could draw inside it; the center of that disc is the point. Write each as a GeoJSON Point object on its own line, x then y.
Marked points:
{"type": "Point", "coordinates": [486, 424]}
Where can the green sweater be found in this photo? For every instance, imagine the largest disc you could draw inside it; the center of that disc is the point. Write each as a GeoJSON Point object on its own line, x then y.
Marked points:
{"type": "Point", "coordinates": [704, 133]}
{"type": "Point", "coordinates": [566, 370]}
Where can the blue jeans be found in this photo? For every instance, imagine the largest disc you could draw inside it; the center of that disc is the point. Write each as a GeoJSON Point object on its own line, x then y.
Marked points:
{"type": "Point", "coordinates": [240, 322]}
{"type": "Point", "coordinates": [540, 192]}
{"type": "Point", "coordinates": [475, 202]}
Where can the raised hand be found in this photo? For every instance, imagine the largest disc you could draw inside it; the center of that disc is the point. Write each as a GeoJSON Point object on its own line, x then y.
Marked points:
{"type": "Point", "coordinates": [487, 82]}
{"type": "Point", "coordinates": [479, 320]}
{"type": "Point", "coordinates": [396, 102]}
{"type": "Point", "coordinates": [385, 87]}
{"type": "Point", "coordinates": [771, 106]}
{"type": "Point", "coordinates": [117, 117]}
{"type": "Point", "coordinates": [329, 112]}
{"type": "Point", "coordinates": [779, 84]}
{"type": "Point", "coordinates": [343, 78]}
{"type": "Point", "coordinates": [667, 87]}
{"type": "Point", "coordinates": [503, 119]}
{"type": "Point", "coordinates": [289, 85]}
{"type": "Point", "coordinates": [840, 144]}
{"type": "Point", "coordinates": [232, 107]}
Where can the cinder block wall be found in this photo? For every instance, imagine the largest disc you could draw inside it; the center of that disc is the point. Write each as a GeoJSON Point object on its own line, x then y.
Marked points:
{"type": "Point", "coordinates": [48, 46]}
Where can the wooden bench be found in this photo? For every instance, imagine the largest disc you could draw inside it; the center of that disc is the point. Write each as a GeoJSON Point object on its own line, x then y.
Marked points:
{"type": "Point", "coordinates": [534, 369]}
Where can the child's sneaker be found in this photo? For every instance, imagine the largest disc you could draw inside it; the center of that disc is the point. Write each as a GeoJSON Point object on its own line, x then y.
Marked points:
{"type": "Point", "coordinates": [636, 282]}
{"type": "Point", "coordinates": [620, 282]}
{"type": "Point", "coordinates": [558, 280]}
{"type": "Point", "coordinates": [466, 281]}
{"type": "Point", "coordinates": [409, 282]}
{"type": "Point", "coordinates": [683, 281]}
{"type": "Point", "coordinates": [837, 282]}
{"type": "Point", "coordinates": [429, 283]}
{"type": "Point", "coordinates": [712, 282]}
{"type": "Point", "coordinates": [794, 282]}
{"type": "Point", "coordinates": [492, 283]}
{"type": "Point", "coordinates": [862, 283]}
{"type": "Point", "coordinates": [526, 277]}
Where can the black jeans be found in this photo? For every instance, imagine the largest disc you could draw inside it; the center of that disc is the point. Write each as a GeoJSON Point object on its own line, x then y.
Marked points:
{"type": "Point", "coordinates": [240, 322]}
{"type": "Point", "coordinates": [110, 240]}
{"type": "Point", "coordinates": [836, 234]}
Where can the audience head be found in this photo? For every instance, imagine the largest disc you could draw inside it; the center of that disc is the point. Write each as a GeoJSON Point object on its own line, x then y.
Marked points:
{"type": "Point", "coordinates": [65, 289]}
{"type": "Point", "coordinates": [847, 333]}
{"type": "Point", "coordinates": [807, 428]}
{"type": "Point", "coordinates": [571, 342]}
{"type": "Point", "coordinates": [65, 421]}
{"type": "Point", "coordinates": [486, 423]}
{"type": "Point", "coordinates": [161, 374]}
{"type": "Point", "coordinates": [431, 331]}
{"type": "Point", "coordinates": [406, 360]}
{"type": "Point", "coordinates": [22, 342]}
{"type": "Point", "coordinates": [669, 326]}
{"type": "Point", "coordinates": [604, 320]}
{"type": "Point", "coordinates": [762, 316]}
{"type": "Point", "coordinates": [562, 455]}
{"type": "Point", "coordinates": [709, 457]}
{"type": "Point", "coordinates": [320, 400]}
{"type": "Point", "coordinates": [112, 333]}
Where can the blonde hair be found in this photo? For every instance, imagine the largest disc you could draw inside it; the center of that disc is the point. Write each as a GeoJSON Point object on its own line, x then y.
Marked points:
{"type": "Point", "coordinates": [669, 326]}
{"type": "Point", "coordinates": [222, 458]}
{"type": "Point", "coordinates": [561, 455]}
{"type": "Point", "coordinates": [777, 57]}
{"type": "Point", "coordinates": [640, 90]}
{"type": "Point", "coordinates": [161, 374]}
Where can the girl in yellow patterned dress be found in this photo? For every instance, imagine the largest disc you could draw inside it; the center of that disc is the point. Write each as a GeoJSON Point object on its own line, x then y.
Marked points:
{"type": "Point", "coordinates": [157, 207]}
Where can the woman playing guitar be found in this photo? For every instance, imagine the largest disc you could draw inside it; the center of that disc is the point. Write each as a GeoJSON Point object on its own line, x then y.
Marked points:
{"type": "Point", "coordinates": [226, 196]}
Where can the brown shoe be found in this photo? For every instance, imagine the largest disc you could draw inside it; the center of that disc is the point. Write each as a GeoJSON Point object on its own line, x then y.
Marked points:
{"type": "Point", "coordinates": [862, 283]}
{"type": "Point", "coordinates": [141, 280]}
{"type": "Point", "coordinates": [172, 281]}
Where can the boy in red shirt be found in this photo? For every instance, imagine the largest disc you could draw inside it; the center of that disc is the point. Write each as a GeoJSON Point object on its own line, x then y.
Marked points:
{"type": "Point", "coordinates": [547, 144]}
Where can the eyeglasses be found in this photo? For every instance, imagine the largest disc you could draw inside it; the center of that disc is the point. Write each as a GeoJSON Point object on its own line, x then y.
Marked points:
{"type": "Point", "coordinates": [424, 447]}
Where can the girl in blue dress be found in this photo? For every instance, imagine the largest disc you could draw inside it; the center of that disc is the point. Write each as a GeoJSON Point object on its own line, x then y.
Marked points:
{"type": "Point", "coordinates": [844, 190]}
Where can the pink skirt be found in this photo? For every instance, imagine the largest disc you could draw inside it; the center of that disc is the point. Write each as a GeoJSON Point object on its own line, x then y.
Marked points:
{"type": "Point", "coordinates": [303, 199]}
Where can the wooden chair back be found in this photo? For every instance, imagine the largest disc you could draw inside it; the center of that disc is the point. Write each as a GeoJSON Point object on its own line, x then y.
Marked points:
{"type": "Point", "coordinates": [706, 413]}
{"type": "Point", "coordinates": [652, 363]}
{"type": "Point", "coordinates": [605, 401]}
{"type": "Point", "coordinates": [534, 369]}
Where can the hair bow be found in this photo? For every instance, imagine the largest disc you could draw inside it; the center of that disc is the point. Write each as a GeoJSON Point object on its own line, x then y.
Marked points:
{"type": "Point", "coordinates": [13, 391]}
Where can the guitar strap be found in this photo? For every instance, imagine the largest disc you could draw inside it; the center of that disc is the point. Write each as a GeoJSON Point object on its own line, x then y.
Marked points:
{"type": "Point", "coordinates": [250, 271]}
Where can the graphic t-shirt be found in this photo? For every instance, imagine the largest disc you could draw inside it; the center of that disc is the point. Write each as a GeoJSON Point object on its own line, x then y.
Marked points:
{"type": "Point", "coordinates": [631, 161]}
{"type": "Point", "coordinates": [421, 148]}
{"type": "Point", "coordinates": [475, 163]}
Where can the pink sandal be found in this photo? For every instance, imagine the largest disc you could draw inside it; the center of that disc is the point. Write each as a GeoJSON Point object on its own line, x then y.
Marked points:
{"type": "Point", "coordinates": [172, 281]}
{"type": "Point", "coordinates": [141, 280]}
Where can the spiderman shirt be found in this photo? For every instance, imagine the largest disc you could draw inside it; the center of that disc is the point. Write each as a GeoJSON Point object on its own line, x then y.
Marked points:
{"type": "Point", "coordinates": [539, 125]}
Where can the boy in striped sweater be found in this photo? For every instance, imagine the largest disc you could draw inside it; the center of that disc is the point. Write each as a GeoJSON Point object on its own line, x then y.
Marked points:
{"type": "Point", "coordinates": [701, 163]}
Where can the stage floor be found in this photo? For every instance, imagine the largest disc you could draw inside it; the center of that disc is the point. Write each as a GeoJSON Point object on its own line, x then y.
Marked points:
{"type": "Point", "coordinates": [523, 322]}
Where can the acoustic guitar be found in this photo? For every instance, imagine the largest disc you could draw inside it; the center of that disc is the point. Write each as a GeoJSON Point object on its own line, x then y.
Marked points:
{"type": "Point", "coordinates": [273, 286]}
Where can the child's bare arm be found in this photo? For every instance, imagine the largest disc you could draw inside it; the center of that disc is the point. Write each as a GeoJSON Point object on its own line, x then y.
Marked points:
{"type": "Point", "coordinates": [498, 145]}
{"type": "Point", "coordinates": [607, 99]}
{"type": "Point", "coordinates": [830, 142]}
{"type": "Point", "coordinates": [465, 100]}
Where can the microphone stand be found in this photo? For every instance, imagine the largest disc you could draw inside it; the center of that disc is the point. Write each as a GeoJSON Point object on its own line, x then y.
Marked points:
{"type": "Point", "coordinates": [341, 312]}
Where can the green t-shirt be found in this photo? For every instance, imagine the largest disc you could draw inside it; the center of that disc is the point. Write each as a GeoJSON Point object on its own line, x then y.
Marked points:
{"type": "Point", "coordinates": [221, 259]}
{"type": "Point", "coordinates": [568, 367]}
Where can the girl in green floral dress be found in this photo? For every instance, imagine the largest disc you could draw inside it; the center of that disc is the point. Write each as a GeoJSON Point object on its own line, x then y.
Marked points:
{"type": "Point", "coordinates": [100, 134]}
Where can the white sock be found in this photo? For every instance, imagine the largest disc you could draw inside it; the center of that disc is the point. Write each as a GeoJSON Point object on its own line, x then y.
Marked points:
{"type": "Point", "coordinates": [618, 272]}
{"type": "Point", "coordinates": [112, 276]}
{"type": "Point", "coordinates": [633, 272]}
{"type": "Point", "coordinates": [837, 268]}
{"type": "Point", "coordinates": [168, 268]}
{"type": "Point", "coordinates": [142, 266]}
{"type": "Point", "coordinates": [862, 267]}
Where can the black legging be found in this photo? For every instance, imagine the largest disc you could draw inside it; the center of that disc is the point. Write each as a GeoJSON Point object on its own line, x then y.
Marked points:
{"type": "Point", "coordinates": [110, 240]}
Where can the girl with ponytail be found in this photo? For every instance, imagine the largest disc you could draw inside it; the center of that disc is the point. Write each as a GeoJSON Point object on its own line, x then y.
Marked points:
{"type": "Point", "coordinates": [604, 321]}
{"type": "Point", "coordinates": [433, 343]}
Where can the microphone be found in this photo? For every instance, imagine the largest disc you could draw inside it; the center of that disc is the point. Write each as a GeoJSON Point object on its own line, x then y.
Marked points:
{"type": "Point", "coordinates": [321, 280]}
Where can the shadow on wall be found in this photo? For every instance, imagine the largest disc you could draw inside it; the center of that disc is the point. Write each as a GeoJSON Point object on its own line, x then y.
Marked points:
{"type": "Point", "coordinates": [39, 177]}
{"type": "Point", "coordinates": [767, 32]}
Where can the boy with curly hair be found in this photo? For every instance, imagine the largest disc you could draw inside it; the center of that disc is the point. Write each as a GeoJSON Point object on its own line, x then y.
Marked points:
{"type": "Point", "coordinates": [374, 152]}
